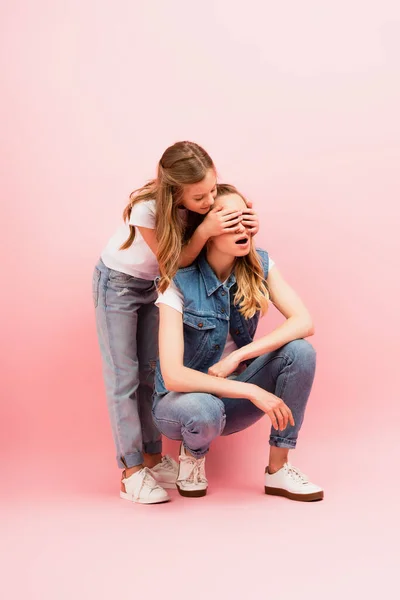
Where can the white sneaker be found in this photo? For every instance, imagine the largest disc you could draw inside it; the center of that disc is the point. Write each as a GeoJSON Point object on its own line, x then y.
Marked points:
{"type": "Point", "coordinates": [292, 483]}
{"type": "Point", "coordinates": [192, 481]}
{"type": "Point", "coordinates": [141, 487]}
{"type": "Point", "coordinates": [166, 472]}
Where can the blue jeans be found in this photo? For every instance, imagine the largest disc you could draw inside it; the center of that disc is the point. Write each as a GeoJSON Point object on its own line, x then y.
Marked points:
{"type": "Point", "coordinates": [127, 328]}
{"type": "Point", "coordinates": [198, 418]}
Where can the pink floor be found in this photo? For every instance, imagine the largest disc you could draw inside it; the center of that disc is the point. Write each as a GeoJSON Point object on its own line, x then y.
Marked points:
{"type": "Point", "coordinates": [68, 535]}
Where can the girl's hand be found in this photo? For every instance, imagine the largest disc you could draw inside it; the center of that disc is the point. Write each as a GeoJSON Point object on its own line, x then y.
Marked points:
{"type": "Point", "coordinates": [250, 219]}
{"type": "Point", "coordinates": [221, 220]}
{"type": "Point", "coordinates": [225, 367]}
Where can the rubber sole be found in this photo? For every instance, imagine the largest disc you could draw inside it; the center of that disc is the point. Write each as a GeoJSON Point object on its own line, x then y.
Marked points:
{"type": "Point", "coordinates": [191, 493]}
{"type": "Point", "coordinates": [315, 497]}
{"type": "Point", "coordinates": [129, 497]}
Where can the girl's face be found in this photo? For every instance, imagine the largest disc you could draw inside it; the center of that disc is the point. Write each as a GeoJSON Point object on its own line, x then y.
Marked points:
{"type": "Point", "coordinates": [199, 197]}
{"type": "Point", "coordinates": [232, 244]}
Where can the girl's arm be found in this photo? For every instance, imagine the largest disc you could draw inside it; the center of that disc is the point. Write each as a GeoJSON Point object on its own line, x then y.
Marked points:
{"type": "Point", "coordinates": [217, 221]}
{"type": "Point", "coordinates": [179, 378]}
{"type": "Point", "coordinates": [194, 246]}
{"type": "Point", "coordinates": [298, 325]}
{"type": "Point", "coordinates": [188, 253]}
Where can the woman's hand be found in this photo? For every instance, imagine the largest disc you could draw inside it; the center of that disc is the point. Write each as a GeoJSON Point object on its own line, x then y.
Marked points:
{"type": "Point", "coordinates": [250, 219]}
{"type": "Point", "coordinates": [225, 367]}
{"type": "Point", "coordinates": [278, 412]}
{"type": "Point", "coordinates": [221, 220]}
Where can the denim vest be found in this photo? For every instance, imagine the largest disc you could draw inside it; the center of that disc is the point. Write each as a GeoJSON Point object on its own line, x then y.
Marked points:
{"type": "Point", "coordinates": [208, 315]}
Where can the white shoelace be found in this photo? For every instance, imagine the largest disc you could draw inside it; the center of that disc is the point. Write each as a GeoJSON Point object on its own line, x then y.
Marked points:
{"type": "Point", "coordinates": [295, 474]}
{"type": "Point", "coordinates": [197, 474]}
{"type": "Point", "coordinates": [167, 463]}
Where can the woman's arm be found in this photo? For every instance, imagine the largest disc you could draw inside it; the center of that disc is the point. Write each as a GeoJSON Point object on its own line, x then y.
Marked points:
{"type": "Point", "coordinates": [298, 322]}
{"type": "Point", "coordinates": [298, 325]}
{"type": "Point", "coordinates": [179, 378]}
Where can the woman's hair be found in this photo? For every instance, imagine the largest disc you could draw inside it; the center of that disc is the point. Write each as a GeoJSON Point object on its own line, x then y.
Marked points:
{"type": "Point", "coordinates": [181, 164]}
{"type": "Point", "coordinates": [252, 290]}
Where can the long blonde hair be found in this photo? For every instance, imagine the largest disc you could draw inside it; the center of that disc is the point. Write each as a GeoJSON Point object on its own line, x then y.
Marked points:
{"type": "Point", "coordinates": [252, 291]}
{"type": "Point", "coordinates": [181, 164]}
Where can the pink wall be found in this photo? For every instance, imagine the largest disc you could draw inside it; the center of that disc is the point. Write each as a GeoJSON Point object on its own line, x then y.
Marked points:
{"type": "Point", "coordinates": [298, 104]}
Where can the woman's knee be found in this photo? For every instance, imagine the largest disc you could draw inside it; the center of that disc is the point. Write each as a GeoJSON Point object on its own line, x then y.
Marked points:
{"type": "Point", "coordinates": [206, 416]}
{"type": "Point", "coordinates": [303, 353]}
{"type": "Point", "coordinates": [195, 412]}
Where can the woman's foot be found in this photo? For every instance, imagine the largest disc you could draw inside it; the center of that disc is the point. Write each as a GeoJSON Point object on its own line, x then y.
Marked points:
{"type": "Point", "coordinates": [192, 481]}
{"type": "Point", "coordinates": [291, 483]}
{"type": "Point", "coordinates": [141, 487]}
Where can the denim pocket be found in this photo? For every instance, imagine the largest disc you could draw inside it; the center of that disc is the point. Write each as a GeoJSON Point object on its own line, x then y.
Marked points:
{"type": "Point", "coordinates": [197, 333]}
{"type": "Point", "coordinates": [95, 286]}
{"type": "Point", "coordinates": [119, 276]}
{"type": "Point", "coordinates": [119, 280]}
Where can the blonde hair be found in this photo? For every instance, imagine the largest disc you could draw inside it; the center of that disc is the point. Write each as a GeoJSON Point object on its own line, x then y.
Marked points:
{"type": "Point", "coordinates": [252, 291]}
{"type": "Point", "coordinates": [182, 164]}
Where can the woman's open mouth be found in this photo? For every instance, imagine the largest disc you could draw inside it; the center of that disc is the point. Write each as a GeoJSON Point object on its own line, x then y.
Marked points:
{"type": "Point", "coordinates": [242, 241]}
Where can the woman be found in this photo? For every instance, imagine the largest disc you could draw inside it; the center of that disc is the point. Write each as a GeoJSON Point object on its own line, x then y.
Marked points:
{"type": "Point", "coordinates": [213, 379]}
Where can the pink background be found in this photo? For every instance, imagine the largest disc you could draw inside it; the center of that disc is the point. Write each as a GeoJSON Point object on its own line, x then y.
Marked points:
{"type": "Point", "coordinates": [298, 104]}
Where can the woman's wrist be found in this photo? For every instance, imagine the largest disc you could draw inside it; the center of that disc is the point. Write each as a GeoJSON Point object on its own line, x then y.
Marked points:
{"type": "Point", "coordinates": [252, 392]}
{"type": "Point", "coordinates": [253, 349]}
{"type": "Point", "coordinates": [240, 354]}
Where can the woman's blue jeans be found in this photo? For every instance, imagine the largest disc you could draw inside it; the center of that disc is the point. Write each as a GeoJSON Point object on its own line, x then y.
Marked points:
{"type": "Point", "coordinates": [198, 418]}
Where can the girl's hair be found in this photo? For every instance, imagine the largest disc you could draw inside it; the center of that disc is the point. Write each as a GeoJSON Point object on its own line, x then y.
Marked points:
{"type": "Point", "coordinates": [252, 291]}
{"type": "Point", "coordinates": [181, 164]}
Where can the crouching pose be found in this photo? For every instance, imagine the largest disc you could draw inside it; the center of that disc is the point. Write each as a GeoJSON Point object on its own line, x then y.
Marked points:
{"type": "Point", "coordinates": [213, 379]}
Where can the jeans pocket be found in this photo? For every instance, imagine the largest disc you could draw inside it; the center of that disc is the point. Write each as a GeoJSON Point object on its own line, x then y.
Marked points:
{"type": "Point", "coordinates": [120, 277]}
{"type": "Point", "coordinates": [95, 286]}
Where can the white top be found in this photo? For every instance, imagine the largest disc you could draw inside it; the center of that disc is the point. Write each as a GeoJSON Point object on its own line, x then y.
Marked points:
{"type": "Point", "coordinates": [137, 260]}
{"type": "Point", "coordinates": [173, 297]}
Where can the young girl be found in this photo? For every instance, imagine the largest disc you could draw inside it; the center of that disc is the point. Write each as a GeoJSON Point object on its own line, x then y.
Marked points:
{"type": "Point", "coordinates": [214, 379]}
{"type": "Point", "coordinates": [165, 218]}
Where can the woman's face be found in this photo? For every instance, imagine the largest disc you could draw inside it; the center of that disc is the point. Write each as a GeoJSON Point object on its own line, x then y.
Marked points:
{"type": "Point", "coordinates": [232, 244]}
{"type": "Point", "coordinates": [199, 197]}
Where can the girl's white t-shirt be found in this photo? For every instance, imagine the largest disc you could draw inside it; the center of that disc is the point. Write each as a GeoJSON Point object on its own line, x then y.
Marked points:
{"type": "Point", "coordinates": [137, 260]}
{"type": "Point", "coordinates": [173, 297]}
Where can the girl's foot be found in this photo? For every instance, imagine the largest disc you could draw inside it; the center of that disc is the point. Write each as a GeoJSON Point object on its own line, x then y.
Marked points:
{"type": "Point", "coordinates": [141, 487]}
